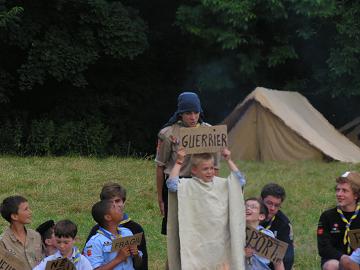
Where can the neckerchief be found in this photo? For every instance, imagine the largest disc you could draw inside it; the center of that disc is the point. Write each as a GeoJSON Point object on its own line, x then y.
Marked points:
{"type": "Point", "coordinates": [109, 235]}
{"type": "Point", "coordinates": [270, 223]}
{"type": "Point", "coordinates": [125, 219]}
{"type": "Point", "coordinates": [347, 226]}
{"type": "Point", "coordinates": [76, 255]}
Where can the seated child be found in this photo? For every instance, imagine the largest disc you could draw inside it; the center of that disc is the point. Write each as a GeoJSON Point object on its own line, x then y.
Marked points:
{"type": "Point", "coordinates": [65, 232]}
{"type": "Point", "coordinates": [24, 243]}
{"type": "Point", "coordinates": [117, 194]}
{"type": "Point", "coordinates": [256, 211]}
{"type": "Point", "coordinates": [46, 231]}
{"type": "Point", "coordinates": [206, 217]}
{"type": "Point", "coordinates": [98, 249]}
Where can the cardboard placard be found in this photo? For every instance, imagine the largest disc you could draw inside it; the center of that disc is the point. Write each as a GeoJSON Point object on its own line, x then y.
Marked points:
{"type": "Point", "coordinates": [60, 264]}
{"type": "Point", "coordinates": [354, 238]}
{"type": "Point", "coordinates": [265, 246]}
{"type": "Point", "coordinates": [9, 261]}
{"type": "Point", "coordinates": [204, 139]}
{"type": "Point", "coordinates": [122, 242]}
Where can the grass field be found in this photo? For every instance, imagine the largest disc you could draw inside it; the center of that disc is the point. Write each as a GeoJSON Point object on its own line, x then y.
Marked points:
{"type": "Point", "coordinates": [61, 188]}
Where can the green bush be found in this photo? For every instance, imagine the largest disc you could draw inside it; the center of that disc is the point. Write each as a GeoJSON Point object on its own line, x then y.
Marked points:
{"type": "Point", "coordinates": [44, 137]}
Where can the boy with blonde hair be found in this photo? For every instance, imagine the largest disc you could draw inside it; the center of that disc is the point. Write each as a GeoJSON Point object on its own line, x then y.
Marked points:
{"type": "Point", "coordinates": [206, 225]}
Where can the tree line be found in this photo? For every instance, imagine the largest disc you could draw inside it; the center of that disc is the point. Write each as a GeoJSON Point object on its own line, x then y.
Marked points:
{"type": "Point", "coordinates": [100, 77]}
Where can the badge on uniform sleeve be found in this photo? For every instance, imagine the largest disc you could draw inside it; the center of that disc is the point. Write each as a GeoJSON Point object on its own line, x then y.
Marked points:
{"type": "Point", "coordinates": [88, 253]}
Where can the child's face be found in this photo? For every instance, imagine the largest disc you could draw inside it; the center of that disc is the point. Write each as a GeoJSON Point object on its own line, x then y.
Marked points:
{"type": "Point", "coordinates": [118, 202]}
{"type": "Point", "coordinates": [205, 170]}
{"type": "Point", "coordinates": [23, 215]}
{"type": "Point", "coordinates": [253, 211]}
{"type": "Point", "coordinates": [65, 245]}
{"type": "Point", "coordinates": [51, 241]}
{"type": "Point", "coordinates": [273, 204]}
{"type": "Point", "coordinates": [116, 213]}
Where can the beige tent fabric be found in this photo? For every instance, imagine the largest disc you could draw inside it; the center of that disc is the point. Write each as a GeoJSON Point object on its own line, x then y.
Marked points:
{"type": "Point", "coordinates": [352, 131]}
{"type": "Point", "coordinates": [211, 223]}
{"type": "Point", "coordinates": [282, 125]}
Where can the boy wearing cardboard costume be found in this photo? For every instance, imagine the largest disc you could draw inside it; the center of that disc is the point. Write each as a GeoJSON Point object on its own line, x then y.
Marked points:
{"type": "Point", "coordinates": [24, 243]}
{"type": "Point", "coordinates": [206, 225]}
{"type": "Point", "coordinates": [334, 224]}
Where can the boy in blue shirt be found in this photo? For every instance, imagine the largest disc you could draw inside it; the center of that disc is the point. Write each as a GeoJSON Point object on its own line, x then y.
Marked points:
{"type": "Point", "coordinates": [65, 232]}
{"type": "Point", "coordinates": [98, 248]}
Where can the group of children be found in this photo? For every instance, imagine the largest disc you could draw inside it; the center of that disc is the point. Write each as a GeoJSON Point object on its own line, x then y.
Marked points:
{"type": "Point", "coordinates": [54, 241]}
{"type": "Point", "coordinates": [58, 238]}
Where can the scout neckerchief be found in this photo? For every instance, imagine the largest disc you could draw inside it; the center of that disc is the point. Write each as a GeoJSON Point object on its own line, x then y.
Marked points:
{"type": "Point", "coordinates": [76, 256]}
{"type": "Point", "coordinates": [270, 223]}
{"type": "Point", "coordinates": [347, 226]}
{"type": "Point", "coordinates": [125, 219]}
{"type": "Point", "coordinates": [108, 234]}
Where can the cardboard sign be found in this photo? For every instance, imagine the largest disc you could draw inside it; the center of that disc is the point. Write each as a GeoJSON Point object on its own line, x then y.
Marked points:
{"type": "Point", "coordinates": [9, 260]}
{"type": "Point", "coordinates": [60, 264]}
{"type": "Point", "coordinates": [265, 246]}
{"type": "Point", "coordinates": [354, 238]}
{"type": "Point", "coordinates": [122, 242]}
{"type": "Point", "coordinates": [204, 139]}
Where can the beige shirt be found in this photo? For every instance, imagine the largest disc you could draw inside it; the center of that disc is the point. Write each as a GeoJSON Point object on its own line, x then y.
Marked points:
{"type": "Point", "coordinates": [166, 153]}
{"type": "Point", "coordinates": [30, 254]}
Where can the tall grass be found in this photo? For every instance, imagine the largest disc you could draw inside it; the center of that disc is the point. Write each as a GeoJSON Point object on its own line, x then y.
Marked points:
{"type": "Point", "coordinates": [61, 188]}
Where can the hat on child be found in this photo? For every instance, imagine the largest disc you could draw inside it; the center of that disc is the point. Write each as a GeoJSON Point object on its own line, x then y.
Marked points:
{"type": "Point", "coordinates": [353, 177]}
{"type": "Point", "coordinates": [42, 228]}
{"type": "Point", "coordinates": [187, 102]}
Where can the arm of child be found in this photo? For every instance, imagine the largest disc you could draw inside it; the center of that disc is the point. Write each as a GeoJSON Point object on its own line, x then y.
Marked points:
{"type": "Point", "coordinates": [121, 256]}
{"type": "Point", "coordinates": [173, 179]}
{"type": "Point", "coordinates": [232, 166]}
{"type": "Point", "coordinates": [279, 266]}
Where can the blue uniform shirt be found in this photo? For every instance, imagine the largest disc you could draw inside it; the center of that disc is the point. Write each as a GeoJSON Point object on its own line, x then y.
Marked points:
{"type": "Point", "coordinates": [98, 250]}
{"type": "Point", "coordinates": [80, 262]}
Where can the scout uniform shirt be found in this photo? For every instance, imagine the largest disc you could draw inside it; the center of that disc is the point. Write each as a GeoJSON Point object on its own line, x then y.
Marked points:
{"type": "Point", "coordinates": [30, 254]}
{"type": "Point", "coordinates": [80, 261]}
{"type": "Point", "coordinates": [98, 249]}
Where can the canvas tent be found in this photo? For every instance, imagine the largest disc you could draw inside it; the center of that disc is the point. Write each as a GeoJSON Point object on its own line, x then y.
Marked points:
{"type": "Point", "coordinates": [282, 125]}
{"type": "Point", "coordinates": [352, 131]}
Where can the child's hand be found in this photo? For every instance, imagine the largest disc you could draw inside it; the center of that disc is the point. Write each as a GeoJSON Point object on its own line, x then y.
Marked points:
{"type": "Point", "coordinates": [134, 250]}
{"type": "Point", "coordinates": [123, 253]}
{"type": "Point", "coordinates": [181, 154]}
{"type": "Point", "coordinates": [226, 153]}
{"type": "Point", "coordinates": [249, 252]}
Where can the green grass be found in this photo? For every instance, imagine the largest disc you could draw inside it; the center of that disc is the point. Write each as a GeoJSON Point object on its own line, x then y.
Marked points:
{"type": "Point", "coordinates": [61, 188]}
